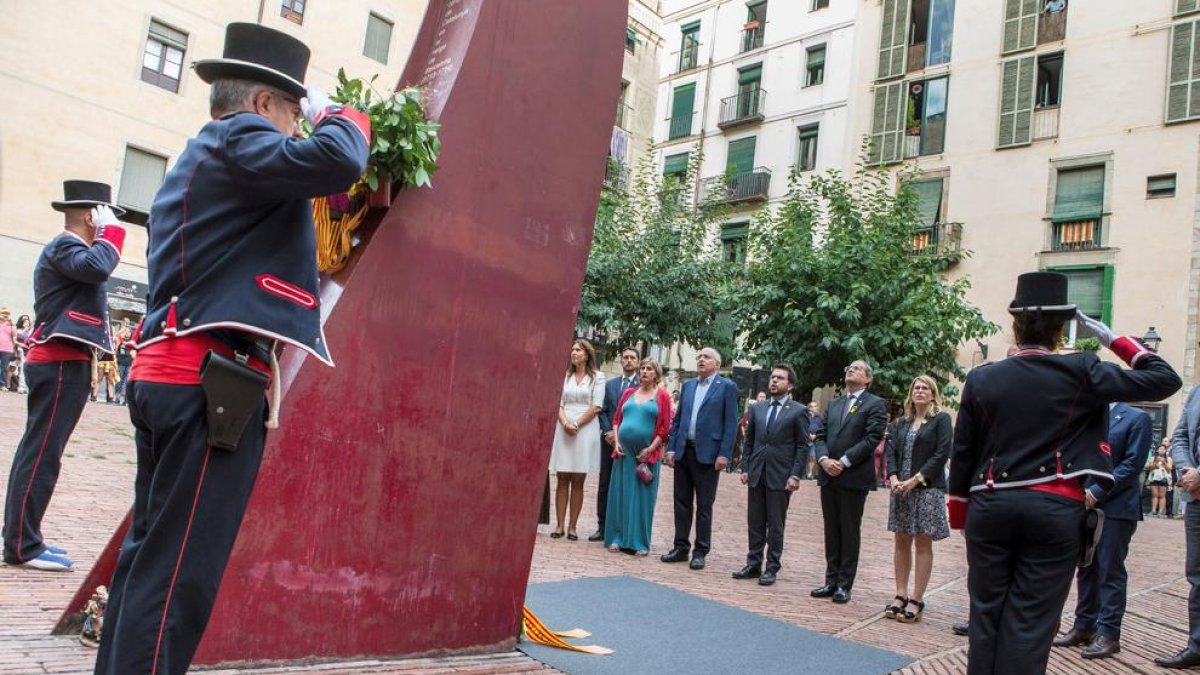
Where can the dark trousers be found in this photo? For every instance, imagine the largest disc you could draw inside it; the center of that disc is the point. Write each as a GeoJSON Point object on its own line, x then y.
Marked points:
{"type": "Point", "coordinates": [1192, 534]}
{"type": "Point", "coordinates": [188, 505]}
{"type": "Point", "coordinates": [842, 513]}
{"type": "Point", "coordinates": [1102, 585]}
{"type": "Point", "coordinates": [606, 466]}
{"type": "Point", "coordinates": [695, 483]}
{"type": "Point", "coordinates": [1022, 550]}
{"type": "Point", "coordinates": [766, 514]}
{"type": "Point", "coordinates": [58, 390]}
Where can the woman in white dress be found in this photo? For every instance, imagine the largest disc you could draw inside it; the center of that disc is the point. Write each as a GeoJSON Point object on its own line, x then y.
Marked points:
{"type": "Point", "coordinates": [576, 451]}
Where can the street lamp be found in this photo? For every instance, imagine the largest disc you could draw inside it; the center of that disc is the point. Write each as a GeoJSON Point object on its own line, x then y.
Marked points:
{"type": "Point", "coordinates": [1152, 340]}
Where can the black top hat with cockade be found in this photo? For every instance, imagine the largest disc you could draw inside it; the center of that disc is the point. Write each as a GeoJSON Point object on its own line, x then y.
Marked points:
{"type": "Point", "coordinates": [259, 54]}
{"type": "Point", "coordinates": [1041, 292]}
{"type": "Point", "coordinates": [85, 194]}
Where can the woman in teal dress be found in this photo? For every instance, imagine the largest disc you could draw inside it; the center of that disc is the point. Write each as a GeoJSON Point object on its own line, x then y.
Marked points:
{"type": "Point", "coordinates": [640, 426]}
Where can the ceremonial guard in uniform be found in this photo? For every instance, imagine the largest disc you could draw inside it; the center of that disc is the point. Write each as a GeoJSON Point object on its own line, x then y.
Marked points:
{"type": "Point", "coordinates": [232, 266]}
{"type": "Point", "coordinates": [71, 310]}
{"type": "Point", "coordinates": [1031, 429]}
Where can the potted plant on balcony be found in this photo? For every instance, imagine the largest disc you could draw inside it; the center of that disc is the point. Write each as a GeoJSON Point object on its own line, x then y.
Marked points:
{"type": "Point", "coordinates": [403, 154]}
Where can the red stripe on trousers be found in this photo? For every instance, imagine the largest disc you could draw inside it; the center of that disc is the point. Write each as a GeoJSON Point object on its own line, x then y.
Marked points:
{"type": "Point", "coordinates": [38, 461]}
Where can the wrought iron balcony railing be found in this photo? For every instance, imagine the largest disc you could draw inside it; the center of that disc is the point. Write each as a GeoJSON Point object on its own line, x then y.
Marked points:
{"type": "Point", "coordinates": [752, 186]}
{"type": "Point", "coordinates": [1076, 235]}
{"type": "Point", "coordinates": [679, 126]}
{"type": "Point", "coordinates": [938, 239]}
{"type": "Point", "coordinates": [745, 107]}
{"type": "Point", "coordinates": [752, 38]}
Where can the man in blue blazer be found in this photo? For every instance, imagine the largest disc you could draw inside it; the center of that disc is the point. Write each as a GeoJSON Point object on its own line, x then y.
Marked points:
{"type": "Point", "coordinates": [613, 388]}
{"type": "Point", "coordinates": [1185, 451]}
{"type": "Point", "coordinates": [699, 449]}
{"type": "Point", "coordinates": [1101, 603]}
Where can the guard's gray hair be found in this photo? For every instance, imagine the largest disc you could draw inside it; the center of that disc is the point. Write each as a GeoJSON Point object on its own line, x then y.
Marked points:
{"type": "Point", "coordinates": [231, 95]}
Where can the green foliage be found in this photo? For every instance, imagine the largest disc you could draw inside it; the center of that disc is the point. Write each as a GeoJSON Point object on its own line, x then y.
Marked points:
{"type": "Point", "coordinates": [404, 142]}
{"type": "Point", "coordinates": [655, 274]}
{"type": "Point", "coordinates": [1087, 344]}
{"type": "Point", "coordinates": [834, 277]}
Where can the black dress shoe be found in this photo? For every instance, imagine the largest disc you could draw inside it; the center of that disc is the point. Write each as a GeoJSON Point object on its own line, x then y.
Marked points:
{"type": "Point", "coordinates": [825, 591]}
{"type": "Point", "coordinates": [1102, 647]}
{"type": "Point", "coordinates": [963, 628]}
{"type": "Point", "coordinates": [697, 562]}
{"type": "Point", "coordinates": [598, 535]}
{"type": "Point", "coordinates": [1184, 659]}
{"type": "Point", "coordinates": [767, 578]}
{"type": "Point", "coordinates": [1074, 638]}
{"type": "Point", "coordinates": [676, 555]}
{"type": "Point", "coordinates": [841, 596]}
{"type": "Point", "coordinates": [748, 572]}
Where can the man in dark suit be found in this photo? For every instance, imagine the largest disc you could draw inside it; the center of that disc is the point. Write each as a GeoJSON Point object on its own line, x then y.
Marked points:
{"type": "Point", "coordinates": [613, 389]}
{"type": "Point", "coordinates": [845, 450]}
{"type": "Point", "coordinates": [1185, 451]}
{"type": "Point", "coordinates": [773, 462]}
{"type": "Point", "coordinates": [699, 449]}
{"type": "Point", "coordinates": [1101, 603]}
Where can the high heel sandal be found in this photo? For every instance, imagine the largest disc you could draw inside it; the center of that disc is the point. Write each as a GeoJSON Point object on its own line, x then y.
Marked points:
{"type": "Point", "coordinates": [911, 617]}
{"type": "Point", "coordinates": [571, 536]}
{"type": "Point", "coordinates": [891, 611]}
{"type": "Point", "coordinates": [556, 535]}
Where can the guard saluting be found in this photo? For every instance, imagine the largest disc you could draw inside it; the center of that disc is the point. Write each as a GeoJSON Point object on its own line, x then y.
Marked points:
{"type": "Point", "coordinates": [1030, 430]}
{"type": "Point", "coordinates": [72, 318]}
{"type": "Point", "coordinates": [232, 266]}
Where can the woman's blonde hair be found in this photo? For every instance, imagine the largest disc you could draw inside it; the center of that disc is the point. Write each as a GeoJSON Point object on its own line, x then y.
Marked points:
{"type": "Point", "coordinates": [658, 369]}
{"type": "Point", "coordinates": [935, 404]}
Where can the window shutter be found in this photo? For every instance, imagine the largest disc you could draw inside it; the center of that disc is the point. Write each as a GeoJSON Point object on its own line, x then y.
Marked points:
{"type": "Point", "coordinates": [141, 176]}
{"type": "Point", "coordinates": [1020, 25]}
{"type": "Point", "coordinates": [1018, 85]}
{"type": "Point", "coordinates": [733, 231]}
{"type": "Point", "coordinates": [1085, 289]}
{"type": "Point", "coordinates": [816, 56]}
{"type": "Point", "coordinates": [893, 39]}
{"type": "Point", "coordinates": [691, 27]}
{"type": "Point", "coordinates": [1186, 6]}
{"type": "Point", "coordinates": [675, 164]}
{"type": "Point", "coordinates": [165, 33]}
{"type": "Point", "coordinates": [740, 160]}
{"type": "Point", "coordinates": [1183, 97]}
{"type": "Point", "coordinates": [681, 111]}
{"type": "Point", "coordinates": [929, 200]}
{"type": "Point", "coordinates": [1079, 194]}
{"type": "Point", "coordinates": [379, 38]}
{"type": "Point", "coordinates": [887, 124]}
{"type": "Point", "coordinates": [750, 75]}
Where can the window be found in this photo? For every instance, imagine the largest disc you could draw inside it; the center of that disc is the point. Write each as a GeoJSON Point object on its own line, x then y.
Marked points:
{"type": "Point", "coordinates": [916, 34]}
{"type": "Point", "coordinates": [925, 117]}
{"type": "Point", "coordinates": [675, 166]}
{"type": "Point", "coordinates": [749, 88]}
{"type": "Point", "coordinates": [162, 62]}
{"type": "Point", "coordinates": [631, 40]}
{"type": "Point", "coordinates": [815, 68]}
{"type": "Point", "coordinates": [1186, 6]}
{"type": "Point", "coordinates": [141, 176]}
{"type": "Point", "coordinates": [929, 201]}
{"type": "Point", "coordinates": [1078, 208]}
{"type": "Point", "coordinates": [1090, 289]}
{"type": "Point", "coordinates": [1183, 83]}
{"type": "Point", "coordinates": [733, 242]}
{"type": "Point", "coordinates": [756, 24]}
{"type": "Point", "coordinates": [1018, 85]}
{"type": "Point", "coordinates": [379, 38]}
{"type": "Point", "coordinates": [292, 10]}
{"type": "Point", "coordinates": [689, 46]}
{"type": "Point", "coordinates": [819, 4]}
{"type": "Point", "coordinates": [740, 160]}
{"type": "Point", "coordinates": [1049, 81]}
{"type": "Point", "coordinates": [807, 161]}
{"type": "Point", "coordinates": [682, 103]}
{"type": "Point", "coordinates": [623, 109]}
{"type": "Point", "coordinates": [1029, 23]}
{"type": "Point", "coordinates": [1160, 186]}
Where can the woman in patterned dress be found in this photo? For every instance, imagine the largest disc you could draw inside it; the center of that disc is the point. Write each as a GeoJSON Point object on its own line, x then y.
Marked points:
{"type": "Point", "coordinates": [576, 450]}
{"type": "Point", "coordinates": [917, 449]}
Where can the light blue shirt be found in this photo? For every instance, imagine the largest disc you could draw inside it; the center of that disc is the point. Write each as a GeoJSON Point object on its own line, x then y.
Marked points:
{"type": "Point", "coordinates": [702, 387]}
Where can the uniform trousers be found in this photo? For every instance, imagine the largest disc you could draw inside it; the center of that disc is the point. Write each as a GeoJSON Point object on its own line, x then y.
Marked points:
{"type": "Point", "coordinates": [58, 390]}
{"type": "Point", "coordinates": [695, 483]}
{"type": "Point", "coordinates": [606, 467]}
{"type": "Point", "coordinates": [766, 516]}
{"type": "Point", "coordinates": [1191, 528]}
{"type": "Point", "coordinates": [1102, 585]}
{"type": "Point", "coordinates": [189, 500]}
{"type": "Point", "coordinates": [1022, 549]}
{"type": "Point", "coordinates": [842, 513]}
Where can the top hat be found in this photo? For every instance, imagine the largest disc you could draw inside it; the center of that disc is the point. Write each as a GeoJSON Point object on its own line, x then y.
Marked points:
{"type": "Point", "coordinates": [84, 194]}
{"type": "Point", "coordinates": [259, 54]}
{"type": "Point", "coordinates": [1041, 292]}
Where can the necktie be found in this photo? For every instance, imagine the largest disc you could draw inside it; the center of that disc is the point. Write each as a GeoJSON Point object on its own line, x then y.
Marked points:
{"type": "Point", "coordinates": [774, 413]}
{"type": "Point", "coordinates": [626, 382]}
{"type": "Point", "coordinates": [849, 404]}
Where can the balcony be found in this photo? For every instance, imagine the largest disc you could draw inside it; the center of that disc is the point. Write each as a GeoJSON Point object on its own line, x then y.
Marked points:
{"type": "Point", "coordinates": [616, 175]}
{"type": "Point", "coordinates": [1076, 235]}
{"type": "Point", "coordinates": [916, 58]}
{"type": "Point", "coordinates": [942, 239]}
{"type": "Point", "coordinates": [752, 37]}
{"type": "Point", "coordinates": [746, 107]}
{"type": "Point", "coordinates": [1045, 123]}
{"type": "Point", "coordinates": [1052, 27]}
{"type": "Point", "coordinates": [679, 126]}
{"type": "Point", "coordinates": [624, 115]}
{"type": "Point", "coordinates": [752, 186]}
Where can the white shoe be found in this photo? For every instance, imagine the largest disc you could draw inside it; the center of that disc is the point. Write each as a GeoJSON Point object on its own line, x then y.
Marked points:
{"type": "Point", "coordinates": [48, 562]}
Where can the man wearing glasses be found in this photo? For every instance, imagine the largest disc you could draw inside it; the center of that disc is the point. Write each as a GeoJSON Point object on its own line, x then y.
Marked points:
{"type": "Point", "coordinates": [845, 450]}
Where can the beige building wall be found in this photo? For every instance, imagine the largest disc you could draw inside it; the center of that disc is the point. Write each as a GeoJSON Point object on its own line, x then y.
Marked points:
{"type": "Point", "coordinates": [633, 133]}
{"type": "Point", "coordinates": [1111, 113]}
{"type": "Point", "coordinates": [72, 98]}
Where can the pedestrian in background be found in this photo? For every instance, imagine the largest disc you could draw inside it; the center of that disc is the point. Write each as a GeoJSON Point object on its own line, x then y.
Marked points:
{"type": "Point", "coordinates": [641, 427]}
{"type": "Point", "coordinates": [24, 330]}
{"type": "Point", "coordinates": [1159, 480]}
{"type": "Point", "coordinates": [8, 345]}
{"type": "Point", "coordinates": [576, 449]}
{"type": "Point", "coordinates": [815, 424]}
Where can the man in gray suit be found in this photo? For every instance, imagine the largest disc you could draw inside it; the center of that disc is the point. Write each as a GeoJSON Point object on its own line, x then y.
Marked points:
{"type": "Point", "coordinates": [1186, 453]}
{"type": "Point", "coordinates": [775, 458]}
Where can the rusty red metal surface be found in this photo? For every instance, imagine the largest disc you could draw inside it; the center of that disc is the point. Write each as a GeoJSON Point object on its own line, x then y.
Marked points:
{"type": "Point", "coordinates": [395, 511]}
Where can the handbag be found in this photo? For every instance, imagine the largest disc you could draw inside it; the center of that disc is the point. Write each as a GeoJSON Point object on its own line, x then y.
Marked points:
{"type": "Point", "coordinates": [644, 473]}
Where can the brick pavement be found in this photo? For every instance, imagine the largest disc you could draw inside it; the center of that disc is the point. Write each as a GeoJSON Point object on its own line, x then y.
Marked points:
{"type": "Point", "coordinates": [96, 488]}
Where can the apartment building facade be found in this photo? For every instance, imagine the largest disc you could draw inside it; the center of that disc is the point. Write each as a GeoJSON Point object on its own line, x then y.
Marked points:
{"type": "Point", "coordinates": [633, 129]}
{"type": "Point", "coordinates": [105, 91]}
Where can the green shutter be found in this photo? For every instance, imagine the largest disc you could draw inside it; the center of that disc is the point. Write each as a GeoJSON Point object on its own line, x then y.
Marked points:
{"type": "Point", "coordinates": [887, 123]}
{"type": "Point", "coordinates": [1078, 194]}
{"type": "Point", "coordinates": [1020, 25]}
{"type": "Point", "coordinates": [929, 200]}
{"type": "Point", "coordinates": [681, 110]}
{"type": "Point", "coordinates": [692, 27]}
{"type": "Point", "coordinates": [750, 75]}
{"type": "Point", "coordinates": [1183, 92]}
{"type": "Point", "coordinates": [1086, 290]}
{"type": "Point", "coordinates": [675, 165]}
{"type": "Point", "coordinates": [733, 231]}
{"type": "Point", "coordinates": [1186, 6]}
{"type": "Point", "coordinates": [893, 39]}
{"type": "Point", "coordinates": [740, 160]}
{"type": "Point", "coordinates": [1018, 85]}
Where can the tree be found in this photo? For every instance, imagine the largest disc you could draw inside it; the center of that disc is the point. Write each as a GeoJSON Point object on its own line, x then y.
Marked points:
{"type": "Point", "coordinates": [655, 274]}
{"type": "Point", "coordinates": [835, 276]}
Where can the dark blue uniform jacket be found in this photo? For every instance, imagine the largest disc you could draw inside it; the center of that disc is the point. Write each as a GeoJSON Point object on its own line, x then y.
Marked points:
{"type": "Point", "coordinates": [70, 302]}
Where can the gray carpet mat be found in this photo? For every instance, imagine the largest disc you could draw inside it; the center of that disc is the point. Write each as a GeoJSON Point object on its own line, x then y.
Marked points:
{"type": "Point", "coordinates": [653, 628]}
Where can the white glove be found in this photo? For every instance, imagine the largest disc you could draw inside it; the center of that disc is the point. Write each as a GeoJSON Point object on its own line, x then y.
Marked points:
{"type": "Point", "coordinates": [1103, 333]}
{"type": "Point", "coordinates": [314, 104]}
{"type": "Point", "coordinates": [103, 215]}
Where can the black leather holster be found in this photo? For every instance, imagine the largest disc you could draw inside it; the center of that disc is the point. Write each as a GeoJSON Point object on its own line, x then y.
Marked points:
{"type": "Point", "coordinates": [233, 392]}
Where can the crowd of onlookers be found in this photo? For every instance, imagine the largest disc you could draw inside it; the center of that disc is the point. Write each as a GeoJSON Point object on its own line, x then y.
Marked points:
{"type": "Point", "coordinates": [109, 371]}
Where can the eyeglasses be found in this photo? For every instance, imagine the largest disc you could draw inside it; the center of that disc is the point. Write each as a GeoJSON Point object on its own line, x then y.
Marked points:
{"type": "Point", "coordinates": [854, 367]}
